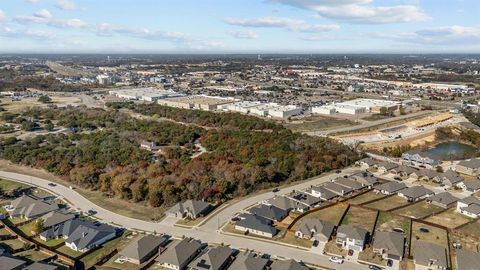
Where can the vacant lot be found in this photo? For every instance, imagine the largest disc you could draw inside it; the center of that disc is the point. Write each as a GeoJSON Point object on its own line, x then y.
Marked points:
{"type": "Point", "coordinates": [419, 210]}
{"type": "Point", "coordinates": [333, 214]}
{"type": "Point", "coordinates": [388, 203]}
{"type": "Point", "coordinates": [449, 218]}
{"type": "Point", "coordinates": [360, 217]}
{"type": "Point", "coordinates": [314, 123]}
{"type": "Point", "coordinates": [434, 235]}
{"type": "Point", "coordinates": [366, 197]}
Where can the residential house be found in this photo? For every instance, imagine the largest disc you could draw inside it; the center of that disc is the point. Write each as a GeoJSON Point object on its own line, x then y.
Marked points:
{"type": "Point", "coordinates": [257, 225]}
{"type": "Point", "coordinates": [351, 237]}
{"type": "Point", "coordinates": [216, 258]}
{"type": "Point", "coordinates": [469, 167]}
{"type": "Point", "coordinates": [469, 206]}
{"type": "Point", "coordinates": [30, 207]}
{"type": "Point", "coordinates": [391, 187]}
{"type": "Point", "coordinates": [190, 209]}
{"type": "Point", "coordinates": [349, 183]}
{"type": "Point", "coordinates": [41, 266]}
{"type": "Point", "coordinates": [287, 265]}
{"type": "Point", "coordinates": [403, 171]}
{"type": "Point", "coordinates": [11, 263]}
{"type": "Point", "coordinates": [322, 193]}
{"type": "Point", "coordinates": [315, 229]}
{"type": "Point", "coordinates": [88, 235]}
{"type": "Point", "coordinates": [428, 175]}
{"type": "Point", "coordinates": [386, 166]}
{"type": "Point", "coordinates": [429, 256]}
{"type": "Point", "coordinates": [366, 163]}
{"type": "Point", "coordinates": [390, 245]}
{"type": "Point", "coordinates": [367, 180]}
{"type": "Point", "coordinates": [421, 159]}
{"type": "Point", "coordinates": [451, 179]}
{"type": "Point", "coordinates": [467, 260]}
{"type": "Point", "coordinates": [471, 185]}
{"type": "Point", "coordinates": [415, 193]}
{"type": "Point", "coordinates": [248, 261]}
{"type": "Point", "coordinates": [53, 221]}
{"type": "Point", "coordinates": [269, 212]}
{"type": "Point", "coordinates": [444, 199]}
{"type": "Point", "coordinates": [287, 204]}
{"type": "Point", "coordinates": [338, 189]}
{"type": "Point", "coordinates": [143, 248]}
{"type": "Point", "coordinates": [304, 198]}
{"type": "Point", "coordinates": [179, 254]}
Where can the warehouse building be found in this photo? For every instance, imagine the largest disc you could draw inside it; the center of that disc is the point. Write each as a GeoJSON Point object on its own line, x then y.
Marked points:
{"type": "Point", "coordinates": [357, 106]}
{"type": "Point", "coordinates": [242, 106]}
{"type": "Point", "coordinates": [200, 102]}
{"type": "Point", "coordinates": [144, 94]}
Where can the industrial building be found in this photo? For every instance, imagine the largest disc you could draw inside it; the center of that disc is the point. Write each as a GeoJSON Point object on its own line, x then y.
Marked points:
{"type": "Point", "coordinates": [200, 102]}
{"type": "Point", "coordinates": [241, 107]}
{"type": "Point", "coordinates": [144, 94]}
{"type": "Point", "coordinates": [357, 106]}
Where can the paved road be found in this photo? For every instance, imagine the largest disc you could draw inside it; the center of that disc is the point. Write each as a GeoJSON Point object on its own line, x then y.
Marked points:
{"type": "Point", "coordinates": [206, 233]}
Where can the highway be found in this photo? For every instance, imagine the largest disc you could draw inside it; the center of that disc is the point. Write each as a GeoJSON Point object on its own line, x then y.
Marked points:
{"type": "Point", "coordinates": [208, 232]}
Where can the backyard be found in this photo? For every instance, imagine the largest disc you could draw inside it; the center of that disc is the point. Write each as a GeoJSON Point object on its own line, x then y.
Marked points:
{"type": "Point", "coordinates": [388, 203]}
{"type": "Point", "coordinates": [332, 214]}
{"type": "Point", "coordinates": [434, 235]}
{"type": "Point", "coordinates": [450, 219]}
{"type": "Point", "coordinates": [366, 197]}
{"type": "Point", "coordinates": [360, 217]}
{"type": "Point", "coordinates": [419, 210]}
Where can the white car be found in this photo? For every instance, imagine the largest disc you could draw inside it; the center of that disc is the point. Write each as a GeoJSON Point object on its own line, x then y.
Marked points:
{"type": "Point", "coordinates": [336, 260]}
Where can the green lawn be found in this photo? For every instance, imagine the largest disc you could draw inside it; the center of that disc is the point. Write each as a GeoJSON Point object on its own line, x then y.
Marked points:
{"type": "Point", "coordinates": [27, 228]}
{"type": "Point", "coordinates": [7, 185]}
{"type": "Point", "coordinates": [118, 243]}
{"type": "Point", "coordinates": [366, 197]}
{"type": "Point", "coordinates": [16, 220]}
{"type": "Point", "coordinates": [332, 214]}
{"type": "Point", "coordinates": [13, 243]}
{"type": "Point", "coordinates": [32, 255]}
{"type": "Point", "coordinates": [69, 251]}
{"type": "Point", "coordinates": [50, 243]}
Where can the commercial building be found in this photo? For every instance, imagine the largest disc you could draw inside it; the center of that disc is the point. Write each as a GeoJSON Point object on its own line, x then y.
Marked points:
{"type": "Point", "coordinates": [204, 103]}
{"type": "Point", "coordinates": [144, 94]}
{"type": "Point", "coordinates": [358, 106]}
{"type": "Point", "coordinates": [241, 107]}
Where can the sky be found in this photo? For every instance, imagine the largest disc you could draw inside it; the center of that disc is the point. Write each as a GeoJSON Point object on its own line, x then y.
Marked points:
{"type": "Point", "coordinates": [239, 26]}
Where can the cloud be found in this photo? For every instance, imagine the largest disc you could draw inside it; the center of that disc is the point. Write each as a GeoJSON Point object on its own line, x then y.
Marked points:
{"type": "Point", "coordinates": [50, 21]}
{"type": "Point", "coordinates": [247, 34]}
{"type": "Point", "coordinates": [359, 11]}
{"type": "Point", "coordinates": [3, 17]}
{"type": "Point", "coordinates": [279, 22]}
{"type": "Point", "coordinates": [107, 29]}
{"type": "Point", "coordinates": [25, 34]}
{"type": "Point", "coordinates": [446, 35]}
{"type": "Point", "coordinates": [43, 13]}
{"type": "Point", "coordinates": [65, 4]}
{"type": "Point", "coordinates": [32, 1]}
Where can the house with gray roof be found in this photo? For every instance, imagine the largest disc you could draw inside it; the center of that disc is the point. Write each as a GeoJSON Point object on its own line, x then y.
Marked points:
{"type": "Point", "coordinates": [421, 159]}
{"type": "Point", "coordinates": [391, 187]}
{"type": "Point", "coordinates": [216, 258]}
{"type": "Point", "coordinates": [451, 179]}
{"type": "Point", "coordinates": [467, 260]}
{"type": "Point", "coordinates": [54, 220]}
{"type": "Point", "coordinates": [84, 235]}
{"type": "Point", "coordinates": [348, 182]}
{"type": "Point", "coordinates": [248, 261]}
{"type": "Point", "coordinates": [403, 171]}
{"type": "Point", "coordinates": [179, 254]}
{"type": "Point", "coordinates": [269, 211]}
{"type": "Point", "coordinates": [386, 166]}
{"type": "Point", "coordinates": [444, 199]}
{"type": "Point", "coordinates": [287, 204]}
{"type": "Point", "coordinates": [304, 198]}
{"type": "Point", "coordinates": [469, 206]}
{"type": "Point", "coordinates": [429, 256]}
{"type": "Point", "coordinates": [366, 179]}
{"type": "Point", "coordinates": [338, 189]}
{"type": "Point", "coordinates": [471, 185]}
{"type": "Point", "coordinates": [143, 248]}
{"type": "Point", "coordinates": [249, 223]}
{"type": "Point", "coordinates": [469, 167]}
{"type": "Point", "coordinates": [415, 193]}
{"type": "Point", "coordinates": [190, 209]}
{"type": "Point", "coordinates": [390, 245]}
{"type": "Point", "coordinates": [287, 265]}
{"type": "Point", "coordinates": [30, 207]}
{"type": "Point", "coordinates": [315, 229]}
{"type": "Point", "coordinates": [322, 193]}
{"type": "Point", "coordinates": [41, 266]}
{"type": "Point", "coordinates": [427, 175]}
{"type": "Point", "coordinates": [8, 262]}
{"type": "Point", "coordinates": [366, 162]}
{"type": "Point", "coordinates": [351, 237]}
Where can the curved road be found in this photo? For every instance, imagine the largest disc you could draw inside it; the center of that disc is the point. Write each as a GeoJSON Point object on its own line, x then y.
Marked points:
{"type": "Point", "coordinates": [207, 232]}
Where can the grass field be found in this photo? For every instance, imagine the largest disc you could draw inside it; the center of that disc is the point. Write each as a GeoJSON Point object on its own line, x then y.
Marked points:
{"type": "Point", "coordinates": [435, 235]}
{"type": "Point", "coordinates": [450, 219]}
{"type": "Point", "coordinates": [366, 197]}
{"type": "Point", "coordinates": [419, 210]}
{"type": "Point", "coordinates": [13, 243]}
{"type": "Point", "coordinates": [27, 228]}
{"type": "Point", "coordinates": [6, 185]}
{"type": "Point", "coordinates": [332, 214]}
{"type": "Point", "coordinates": [388, 203]}
{"type": "Point", "coordinates": [360, 217]}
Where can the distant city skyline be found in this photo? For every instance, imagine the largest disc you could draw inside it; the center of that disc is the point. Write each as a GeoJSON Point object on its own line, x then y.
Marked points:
{"type": "Point", "coordinates": [239, 26]}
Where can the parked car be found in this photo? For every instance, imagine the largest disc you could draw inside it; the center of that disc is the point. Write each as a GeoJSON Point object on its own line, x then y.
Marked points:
{"type": "Point", "coordinates": [336, 260]}
{"type": "Point", "coordinates": [374, 267]}
{"type": "Point", "coordinates": [275, 190]}
{"type": "Point", "coordinates": [52, 184]}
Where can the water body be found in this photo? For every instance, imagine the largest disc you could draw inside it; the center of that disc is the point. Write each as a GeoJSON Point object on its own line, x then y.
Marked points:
{"type": "Point", "coordinates": [453, 151]}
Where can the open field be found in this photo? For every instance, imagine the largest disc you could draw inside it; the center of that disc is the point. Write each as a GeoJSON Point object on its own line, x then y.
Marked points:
{"type": "Point", "coordinates": [435, 235]}
{"type": "Point", "coordinates": [366, 197]}
{"type": "Point", "coordinates": [449, 218]}
{"type": "Point", "coordinates": [20, 105]}
{"type": "Point", "coordinates": [314, 123]}
{"type": "Point", "coordinates": [419, 210]}
{"type": "Point", "coordinates": [388, 203]}
{"type": "Point", "coordinates": [332, 214]}
{"type": "Point", "coordinates": [360, 217]}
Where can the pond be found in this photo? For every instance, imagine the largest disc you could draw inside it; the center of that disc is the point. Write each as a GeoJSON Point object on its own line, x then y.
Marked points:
{"type": "Point", "coordinates": [453, 151]}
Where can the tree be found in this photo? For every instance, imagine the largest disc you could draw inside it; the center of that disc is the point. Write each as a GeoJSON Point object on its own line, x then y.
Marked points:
{"type": "Point", "coordinates": [37, 227]}
{"type": "Point", "coordinates": [44, 99]}
{"type": "Point", "coordinates": [384, 111]}
{"type": "Point", "coordinates": [28, 125]}
{"type": "Point", "coordinates": [49, 126]}
{"type": "Point", "coordinates": [439, 169]}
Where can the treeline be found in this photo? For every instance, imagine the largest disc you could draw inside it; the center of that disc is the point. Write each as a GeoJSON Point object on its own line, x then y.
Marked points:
{"type": "Point", "coordinates": [106, 156]}
{"type": "Point", "coordinates": [202, 118]}
{"type": "Point", "coordinates": [14, 81]}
